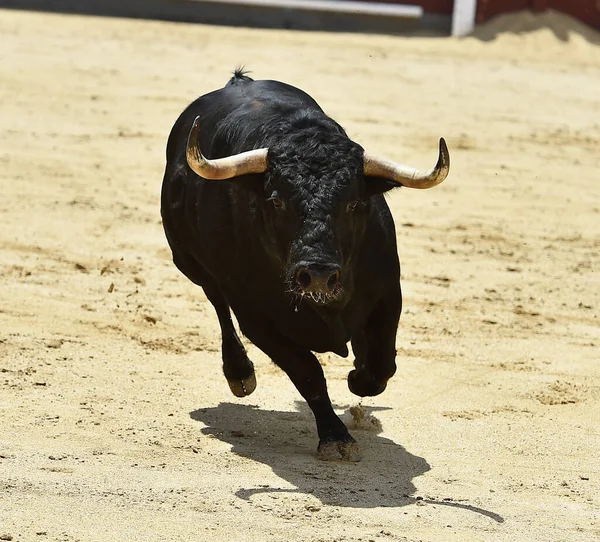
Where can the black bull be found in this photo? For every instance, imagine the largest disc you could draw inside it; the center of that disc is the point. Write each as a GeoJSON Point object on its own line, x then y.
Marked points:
{"type": "Point", "coordinates": [295, 237]}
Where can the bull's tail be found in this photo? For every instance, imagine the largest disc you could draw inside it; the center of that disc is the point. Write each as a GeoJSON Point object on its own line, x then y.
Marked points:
{"type": "Point", "coordinates": [239, 76]}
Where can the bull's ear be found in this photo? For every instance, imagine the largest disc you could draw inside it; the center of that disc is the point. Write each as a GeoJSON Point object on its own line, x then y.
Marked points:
{"type": "Point", "coordinates": [378, 185]}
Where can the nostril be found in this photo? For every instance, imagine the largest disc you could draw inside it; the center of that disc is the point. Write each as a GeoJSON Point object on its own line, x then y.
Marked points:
{"type": "Point", "coordinates": [303, 279]}
{"type": "Point", "coordinates": [333, 281]}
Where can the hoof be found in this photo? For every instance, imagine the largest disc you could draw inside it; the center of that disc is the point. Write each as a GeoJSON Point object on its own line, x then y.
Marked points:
{"type": "Point", "coordinates": [336, 450]}
{"type": "Point", "coordinates": [363, 384]}
{"type": "Point", "coordinates": [243, 387]}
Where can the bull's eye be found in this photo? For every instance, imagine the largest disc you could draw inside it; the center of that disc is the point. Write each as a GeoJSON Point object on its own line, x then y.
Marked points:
{"type": "Point", "coordinates": [351, 206]}
{"type": "Point", "coordinates": [277, 203]}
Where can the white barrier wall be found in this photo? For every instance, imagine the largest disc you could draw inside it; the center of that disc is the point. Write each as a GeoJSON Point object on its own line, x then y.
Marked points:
{"type": "Point", "coordinates": [463, 17]}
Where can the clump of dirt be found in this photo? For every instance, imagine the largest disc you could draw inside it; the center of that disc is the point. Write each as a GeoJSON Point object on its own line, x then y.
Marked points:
{"type": "Point", "coordinates": [561, 393]}
{"type": "Point", "coordinates": [463, 415]}
{"type": "Point", "coordinates": [362, 419]}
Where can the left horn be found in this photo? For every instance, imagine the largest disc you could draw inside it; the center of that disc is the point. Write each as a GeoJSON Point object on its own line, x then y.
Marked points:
{"type": "Point", "coordinates": [254, 161]}
{"type": "Point", "coordinates": [408, 176]}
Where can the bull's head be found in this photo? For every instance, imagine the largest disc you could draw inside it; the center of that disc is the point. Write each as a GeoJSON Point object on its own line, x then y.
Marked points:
{"type": "Point", "coordinates": [315, 209]}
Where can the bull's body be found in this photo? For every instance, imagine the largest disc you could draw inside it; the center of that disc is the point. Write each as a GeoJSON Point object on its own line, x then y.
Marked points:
{"type": "Point", "coordinates": [227, 237]}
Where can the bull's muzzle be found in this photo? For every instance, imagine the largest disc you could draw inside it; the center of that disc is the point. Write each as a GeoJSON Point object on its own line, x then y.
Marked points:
{"type": "Point", "coordinates": [320, 282]}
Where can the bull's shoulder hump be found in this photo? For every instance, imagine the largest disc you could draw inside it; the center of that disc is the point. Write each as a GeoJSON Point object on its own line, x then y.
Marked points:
{"type": "Point", "coordinates": [267, 92]}
{"type": "Point", "coordinates": [276, 90]}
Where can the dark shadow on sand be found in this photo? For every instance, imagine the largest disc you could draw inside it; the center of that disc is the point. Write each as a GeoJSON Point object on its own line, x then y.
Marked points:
{"type": "Point", "coordinates": [286, 442]}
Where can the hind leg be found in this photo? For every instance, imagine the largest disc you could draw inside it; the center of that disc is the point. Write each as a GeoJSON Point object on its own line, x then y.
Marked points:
{"type": "Point", "coordinates": [238, 369]}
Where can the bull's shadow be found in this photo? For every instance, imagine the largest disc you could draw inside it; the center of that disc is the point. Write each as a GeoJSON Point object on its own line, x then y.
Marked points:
{"type": "Point", "coordinates": [286, 442]}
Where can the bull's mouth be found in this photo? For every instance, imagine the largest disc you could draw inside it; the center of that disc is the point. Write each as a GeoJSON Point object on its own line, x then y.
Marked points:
{"type": "Point", "coordinates": [318, 283]}
{"type": "Point", "coordinates": [319, 297]}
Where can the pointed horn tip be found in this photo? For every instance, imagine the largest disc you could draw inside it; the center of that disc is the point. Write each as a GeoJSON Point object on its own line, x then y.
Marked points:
{"type": "Point", "coordinates": [194, 129]}
{"type": "Point", "coordinates": [194, 156]}
{"type": "Point", "coordinates": [193, 133]}
{"type": "Point", "coordinates": [444, 159]}
{"type": "Point", "coordinates": [444, 148]}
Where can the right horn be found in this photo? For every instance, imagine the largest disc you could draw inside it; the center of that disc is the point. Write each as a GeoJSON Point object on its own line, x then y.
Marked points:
{"type": "Point", "coordinates": [254, 161]}
{"type": "Point", "coordinates": [408, 176]}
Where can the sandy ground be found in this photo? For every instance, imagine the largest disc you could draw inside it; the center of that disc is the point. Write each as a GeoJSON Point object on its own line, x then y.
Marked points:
{"type": "Point", "coordinates": [116, 422]}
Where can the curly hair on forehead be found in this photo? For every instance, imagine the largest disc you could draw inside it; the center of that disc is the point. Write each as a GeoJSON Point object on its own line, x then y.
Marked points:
{"type": "Point", "coordinates": [315, 154]}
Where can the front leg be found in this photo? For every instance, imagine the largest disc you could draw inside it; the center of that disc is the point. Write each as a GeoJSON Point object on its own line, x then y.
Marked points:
{"type": "Point", "coordinates": [306, 373]}
{"type": "Point", "coordinates": [375, 347]}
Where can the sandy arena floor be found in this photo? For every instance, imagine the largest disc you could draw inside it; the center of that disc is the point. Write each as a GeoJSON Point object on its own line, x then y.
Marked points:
{"type": "Point", "coordinates": [116, 423]}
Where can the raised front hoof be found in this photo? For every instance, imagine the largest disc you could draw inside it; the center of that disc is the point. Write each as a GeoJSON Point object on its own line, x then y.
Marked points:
{"type": "Point", "coordinates": [242, 387]}
{"type": "Point", "coordinates": [361, 383]}
{"type": "Point", "coordinates": [339, 450]}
